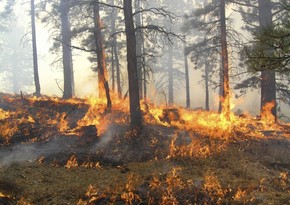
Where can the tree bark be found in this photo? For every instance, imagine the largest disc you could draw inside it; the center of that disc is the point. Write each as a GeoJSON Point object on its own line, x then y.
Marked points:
{"type": "Point", "coordinates": [170, 75]}
{"type": "Point", "coordinates": [104, 90]}
{"type": "Point", "coordinates": [135, 112]}
{"type": "Point", "coordinates": [268, 77]}
{"type": "Point", "coordinates": [118, 72]}
{"type": "Point", "coordinates": [144, 85]}
{"type": "Point", "coordinates": [115, 50]}
{"type": "Point", "coordinates": [225, 64]}
{"type": "Point", "coordinates": [66, 50]}
{"type": "Point", "coordinates": [113, 69]}
{"type": "Point", "coordinates": [221, 90]}
{"type": "Point", "coordinates": [144, 70]}
{"type": "Point", "coordinates": [139, 46]}
{"type": "Point", "coordinates": [34, 49]}
{"type": "Point", "coordinates": [187, 84]}
{"type": "Point", "coordinates": [206, 78]}
{"type": "Point", "coordinates": [113, 31]}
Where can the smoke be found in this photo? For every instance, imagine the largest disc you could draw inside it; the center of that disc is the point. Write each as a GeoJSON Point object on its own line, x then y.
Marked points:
{"type": "Point", "coordinates": [19, 153]}
{"type": "Point", "coordinates": [106, 138]}
{"type": "Point", "coordinates": [27, 152]}
{"type": "Point", "coordinates": [57, 146]}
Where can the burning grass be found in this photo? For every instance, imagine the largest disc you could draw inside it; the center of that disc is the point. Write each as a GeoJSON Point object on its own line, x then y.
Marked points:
{"type": "Point", "coordinates": [75, 152]}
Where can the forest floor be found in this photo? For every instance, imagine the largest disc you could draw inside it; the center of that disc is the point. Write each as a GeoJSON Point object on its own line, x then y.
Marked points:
{"type": "Point", "coordinates": [42, 162]}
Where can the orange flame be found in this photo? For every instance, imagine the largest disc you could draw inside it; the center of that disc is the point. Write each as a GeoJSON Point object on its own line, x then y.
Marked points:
{"type": "Point", "coordinates": [72, 162]}
{"type": "Point", "coordinates": [239, 194]}
{"type": "Point", "coordinates": [128, 195]}
{"type": "Point", "coordinates": [266, 112]}
{"type": "Point", "coordinates": [213, 187]}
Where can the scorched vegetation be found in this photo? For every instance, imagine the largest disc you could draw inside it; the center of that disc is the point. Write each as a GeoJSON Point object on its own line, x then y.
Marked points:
{"type": "Point", "coordinates": [74, 151]}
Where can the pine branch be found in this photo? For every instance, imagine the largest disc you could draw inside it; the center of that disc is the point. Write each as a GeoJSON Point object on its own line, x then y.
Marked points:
{"type": "Point", "coordinates": [161, 30]}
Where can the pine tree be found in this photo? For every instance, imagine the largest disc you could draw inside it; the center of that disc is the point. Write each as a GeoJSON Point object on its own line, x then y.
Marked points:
{"type": "Point", "coordinates": [135, 112]}
{"type": "Point", "coordinates": [260, 50]}
{"type": "Point", "coordinates": [104, 90]}
{"type": "Point", "coordinates": [35, 57]}
{"type": "Point", "coordinates": [210, 21]}
{"type": "Point", "coordinates": [68, 75]}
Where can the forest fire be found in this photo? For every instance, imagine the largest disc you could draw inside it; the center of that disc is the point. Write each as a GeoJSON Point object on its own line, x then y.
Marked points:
{"type": "Point", "coordinates": [202, 123]}
{"type": "Point", "coordinates": [81, 133]}
{"type": "Point", "coordinates": [134, 144]}
{"type": "Point", "coordinates": [92, 112]}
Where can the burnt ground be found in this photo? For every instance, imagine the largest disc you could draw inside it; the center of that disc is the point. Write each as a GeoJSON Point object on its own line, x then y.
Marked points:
{"type": "Point", "coordinates": [39, 164]}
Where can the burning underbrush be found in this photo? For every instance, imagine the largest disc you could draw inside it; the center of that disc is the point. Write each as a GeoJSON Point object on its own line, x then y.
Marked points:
{"type": "Point", "coordinates": [55, 151]}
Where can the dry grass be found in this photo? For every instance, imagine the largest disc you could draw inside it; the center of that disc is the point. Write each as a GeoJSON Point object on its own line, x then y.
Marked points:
{"type": "Point", "coordinates": [232, 176]}
{"type": "Point", "coordinates": [171, 162]}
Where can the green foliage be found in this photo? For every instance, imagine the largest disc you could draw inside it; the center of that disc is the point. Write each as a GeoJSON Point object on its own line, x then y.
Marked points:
{"type": "Point", "coordinates": [204, 25]}
{"type": "Point", "coordinates": [271, 49]}
{"type": "Point", "coordinates": [268, 49]}
{"type": "Point", "coordinates": [252, 82]}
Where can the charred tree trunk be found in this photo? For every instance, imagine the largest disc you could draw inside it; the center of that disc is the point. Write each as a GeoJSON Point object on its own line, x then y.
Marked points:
{"type": "Point", "coordinates": [145, 85]}
{"type": "Point", "coordinates": [170, 75]}
{"type": "Point", "coordinates": [102, 70]}
{"type": "Point", "coordinates": [113, 69]}
{"type": "Point", "coordinates": [144, 70]}
{"type": "Point", "coordinates": [221, 90]}
{"type": "Point", "coordinates": [225, 63]}
{"type": "Point", "coordinates": [34, 49]}
{"type": "Point", "coordinates": [139, 46]}
{"type": "Point", "coordinates": [187, 84]}
{"type": "Point", "coordinates": [135, 112]}
{"type": "Point", "coordinates": [66, 50]}
{"type": "Point", "coordinates": [206, 78]}
{"type": "Point", "coordinates": [268, 78]}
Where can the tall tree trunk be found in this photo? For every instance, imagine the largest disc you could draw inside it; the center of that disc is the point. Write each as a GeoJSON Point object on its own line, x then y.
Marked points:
{"type": "Point", "coordinates": [115, 50]}
{"type": "Point", "coordinates": [206, 78]}
{"type": "Point", "coordinates": [113, 30]}
{"type": "Point", "coordinates": [225, 65]}
{"type": "Point", "coordinates": [144, 70]}
{"type": "Point", "coordinates": [113, 69]}
{"type": "Point", "coordinates": [170, 75]}
{"type": "Point", "coordinates": [144, 84]}
{"type": "Point", "coordinates": [139, 46]}
{"type": "Point", "coordinates": [135, 112]}
{"type": "Point", "coordinates": [34, 48]}
{"type": "Point", "coordinates": [268, 78]}
{"type": "Point", "coordinates": [102, 70]}
{"type": "Point", "coordinates": [187, 84]}
{"type": "Point", "coordinates": [118, 71]}
{"type": "Point", "coordinates": [221, 90]}
{"type": "Point", "coordinates": [66, 50]}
